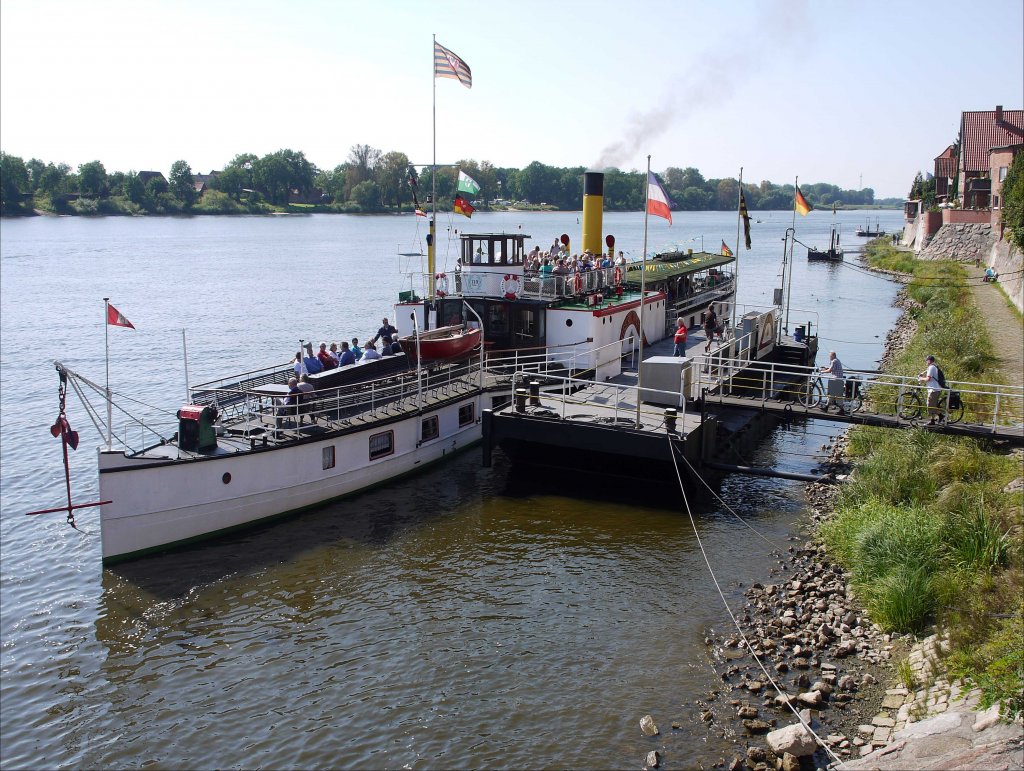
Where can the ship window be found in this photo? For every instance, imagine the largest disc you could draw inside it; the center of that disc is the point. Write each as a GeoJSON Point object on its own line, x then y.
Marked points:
{"type": "Point", "coordinates": [568, 322]}
{"type": "Point", "coordinates": [328, 457]}
{"type": "Point", "coordinates": [467, 414]}
{"type": "Point", "coordinates": [382, 445]}
{"type": "Point", "coordinates": [429, 429]}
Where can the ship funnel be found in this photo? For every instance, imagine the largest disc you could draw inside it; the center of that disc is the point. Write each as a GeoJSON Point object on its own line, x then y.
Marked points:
{"type": "Point", "coordinates": [593, 211]}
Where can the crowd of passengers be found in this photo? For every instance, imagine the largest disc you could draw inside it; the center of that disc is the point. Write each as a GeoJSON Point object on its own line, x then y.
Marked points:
{"type": "Point", "coordinates": [557, 261]}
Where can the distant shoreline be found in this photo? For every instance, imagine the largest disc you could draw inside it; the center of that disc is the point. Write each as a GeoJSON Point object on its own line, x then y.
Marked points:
{"type": "Point", "coordinates": [305, 211]}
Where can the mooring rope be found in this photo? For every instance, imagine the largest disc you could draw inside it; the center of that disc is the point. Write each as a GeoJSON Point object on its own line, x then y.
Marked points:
{"type": "Point", "coordinates": [718, 588]}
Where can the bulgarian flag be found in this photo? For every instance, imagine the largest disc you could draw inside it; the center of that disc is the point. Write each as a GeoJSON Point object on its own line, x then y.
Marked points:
{"type": "Point", "coordinates": [117, 319]}
{"type": "Point", "coordinates": [802, 204]}
{"type": "Point", "coordinates": [462, 206]}
{"type": "Point", "coordinates": [726, 251]}
{"type": "Point", "coordinates": [657, 198]}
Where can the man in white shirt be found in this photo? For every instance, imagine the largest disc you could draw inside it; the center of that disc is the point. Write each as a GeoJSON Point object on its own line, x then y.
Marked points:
{"type": "Point", "coordinates": [836, 382]}
{"type": "Point", "coordinates": [930, 377]}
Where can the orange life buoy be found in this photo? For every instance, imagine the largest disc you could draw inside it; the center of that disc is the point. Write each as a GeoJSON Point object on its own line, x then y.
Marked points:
{"type": "Point", "coordinates": [577, 283]}
{"type": "Point", "coordinates": [618, 275]}
{"type": "Point", "coordinates": [441, 284]}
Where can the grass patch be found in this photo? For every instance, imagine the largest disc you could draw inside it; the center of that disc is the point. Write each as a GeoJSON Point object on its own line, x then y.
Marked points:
{"type": "Point", "coordinates": [925, 527]}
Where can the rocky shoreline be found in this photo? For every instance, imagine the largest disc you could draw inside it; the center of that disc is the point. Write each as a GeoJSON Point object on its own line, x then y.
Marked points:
{"type": "Point", "coordinates": [815, 642]}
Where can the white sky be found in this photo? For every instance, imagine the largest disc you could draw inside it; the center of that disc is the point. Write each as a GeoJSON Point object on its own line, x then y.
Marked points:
{"type": "Point", "coordinates": [826, 90]}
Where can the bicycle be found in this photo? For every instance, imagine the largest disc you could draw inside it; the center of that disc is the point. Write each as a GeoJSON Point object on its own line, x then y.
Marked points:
{"type": "Point", "coordinates": [951, 409]}
{"type": "Point", "coordinates": [815, 394]}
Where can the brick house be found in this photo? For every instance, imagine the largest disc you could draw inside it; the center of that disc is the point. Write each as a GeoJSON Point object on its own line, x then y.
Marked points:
{"type": "Point", "coordinates": [980, 131]}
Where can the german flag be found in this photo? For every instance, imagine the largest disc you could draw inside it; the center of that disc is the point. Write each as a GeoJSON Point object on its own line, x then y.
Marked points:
{"type": "Point", "coordinates": [802, 205]}
{"type": "Point", "coordinates": [462, 206]}
{"type": "Point", "coordinates": [726, 251]}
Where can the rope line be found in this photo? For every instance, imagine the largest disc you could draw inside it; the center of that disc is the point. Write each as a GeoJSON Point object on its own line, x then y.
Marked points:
{"type": "Point", "coordinates": [730, 510]}
{"type": "Point", "coordinates": [693, 524]}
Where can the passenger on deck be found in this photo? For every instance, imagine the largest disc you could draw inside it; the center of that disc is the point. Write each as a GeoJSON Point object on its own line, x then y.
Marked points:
{"type": "Point", "coordinates": [293, 391]}
{"type": "Point", "coordinates": [386, 330]}
{"type": "Point", "coordinates": [710, 326]}
{"type": "Point", "coordinates": [606, 262]}
{"type": "Point", "coordinates": [326, 361]}
{"type": "Point", "coordinates": [621, 259]}
{"type": "Point", "coordinates": [396, 347]}
{"type": "Point", "coordinates": [369, 351]}
{"type": "Point", "coordinates": [346, 357]}
{"type": "Point", "coordinates": [546, 268]}
{"type": "Point", "coordinates": [561, 268]}
{"type": "Point", "coordinates": [298, 363]}
{"type": "Point", "coordinates": [680, 337]}
{"type": "Point", "coordinates": [335, 353]}
{"type": "Point", "coordinates": [356, 350]}
{"type": "Point", "coordinates": [311, 362]}
{"type": "Point", "coordinates": [385, 345]}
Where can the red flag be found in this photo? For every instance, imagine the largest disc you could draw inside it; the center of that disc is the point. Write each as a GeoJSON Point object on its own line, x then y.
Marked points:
{"type": "Point", "coordinates": [657, 198]}
{"type": "Point", "coordinates": [462, 206]}
{"type": "Point", "coordinates": [116, 319]}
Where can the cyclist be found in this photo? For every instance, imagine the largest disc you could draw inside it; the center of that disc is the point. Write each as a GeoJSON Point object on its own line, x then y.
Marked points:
{"type": "Point", "coordinates": [836, 383]}
{"type": "Point", "coordinates": [930, 377]}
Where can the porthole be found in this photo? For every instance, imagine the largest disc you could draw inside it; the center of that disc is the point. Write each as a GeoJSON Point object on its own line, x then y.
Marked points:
{"type": "Point", "coordinates": [568, 322]}
{"type": "Point", "coordinates": [226, 479]}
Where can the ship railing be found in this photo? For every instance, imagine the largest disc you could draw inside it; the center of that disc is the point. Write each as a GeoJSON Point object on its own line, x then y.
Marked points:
{"type": "Point", "coordinates": [566, 285]}
{"type": "Point", "coordinates": [336, 408]}
{"type": "Point", "coordinates": [574, 358]}
{"type": "Point", "coordinates": [904, 396]}
{"type": "Point", "coordinates": [612, 404]}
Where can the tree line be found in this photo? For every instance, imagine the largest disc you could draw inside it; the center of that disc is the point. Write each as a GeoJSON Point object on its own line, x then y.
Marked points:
{"type": "Point", "coordinates": [370, 181]}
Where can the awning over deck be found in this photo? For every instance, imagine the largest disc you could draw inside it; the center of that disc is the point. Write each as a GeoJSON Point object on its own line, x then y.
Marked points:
{"type": "Point", "coordinates": [658, 269]}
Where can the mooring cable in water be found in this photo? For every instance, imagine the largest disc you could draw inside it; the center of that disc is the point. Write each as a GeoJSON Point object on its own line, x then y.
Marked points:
{"type": "Point", "coordinates": [727, 507]}
{"type": "Point", "coordinates": [736, 623]}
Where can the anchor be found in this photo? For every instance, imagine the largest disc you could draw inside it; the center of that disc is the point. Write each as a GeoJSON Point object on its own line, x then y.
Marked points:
{"type": "Point", "coordinates": [68, 438]}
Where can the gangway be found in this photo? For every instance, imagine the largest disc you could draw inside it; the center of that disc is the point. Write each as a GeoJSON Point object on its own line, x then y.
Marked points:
{"type": "Point", "coordinates": [980, 410]}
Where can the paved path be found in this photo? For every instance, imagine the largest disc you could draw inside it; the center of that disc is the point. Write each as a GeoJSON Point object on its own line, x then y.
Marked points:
{"type": "Point", "coordinates": [1006, 329]}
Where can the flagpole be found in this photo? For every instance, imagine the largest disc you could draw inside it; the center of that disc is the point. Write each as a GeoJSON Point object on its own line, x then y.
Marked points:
{"type": "Point", "coordinates": [106, 346]}
{"type": "Point", "coordinates": [736, 266]}
{"type": "Point", "coordinates": [433, 188]}
{"type": "Point", "coordinates": [184, 356]}
{"type": "Point", "coordinates": [643, 290]}
{"type": "Point", "coordinates": [789, 284]}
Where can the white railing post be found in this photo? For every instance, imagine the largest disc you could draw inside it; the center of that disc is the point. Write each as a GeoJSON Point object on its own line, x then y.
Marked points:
{"type": "Point", "coordinates": [995, 411]}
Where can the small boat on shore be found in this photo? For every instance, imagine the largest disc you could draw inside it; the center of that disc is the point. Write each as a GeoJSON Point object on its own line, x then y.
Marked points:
{"type": "Point", "coordinates": [867, 232]}
{"type": "Point", "coordinates": [834, 253]}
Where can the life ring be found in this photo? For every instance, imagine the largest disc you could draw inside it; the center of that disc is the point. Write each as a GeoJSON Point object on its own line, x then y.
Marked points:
{"type": "Point", "coordinates": [441, 284]}
{"type": "Point", "coordinates": [510, 286]}
{"type": "Point", "coordinates": [577, 283]}
{"type": "Point", "coordinates": [618, 275]}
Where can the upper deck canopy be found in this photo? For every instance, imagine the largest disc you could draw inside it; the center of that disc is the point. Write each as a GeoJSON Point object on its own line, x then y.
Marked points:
{"type": "Point", "coordinates": [678, 264]}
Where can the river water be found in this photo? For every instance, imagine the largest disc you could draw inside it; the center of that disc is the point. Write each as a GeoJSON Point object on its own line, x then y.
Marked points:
{"type": "Point", "coordinates": [463, 617]}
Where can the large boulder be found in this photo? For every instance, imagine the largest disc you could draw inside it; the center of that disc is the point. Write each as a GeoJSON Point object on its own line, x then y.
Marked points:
{"type": "Point", "coordinates": [794, 739]}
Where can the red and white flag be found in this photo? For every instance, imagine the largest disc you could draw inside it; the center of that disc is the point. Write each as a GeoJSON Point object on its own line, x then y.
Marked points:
{"type": "Point", "coordinates": [420, 213]}
{"type": "Point", "coordinates": [657, 198]}
{"type": "Point", "coordinates": [117, 319]}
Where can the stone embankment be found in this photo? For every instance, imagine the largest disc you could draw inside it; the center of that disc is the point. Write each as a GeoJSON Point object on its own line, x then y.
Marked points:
{"type": "Point", "coordinates": [963, 242]}
{"type": "Point", "coordinates": [823, 657]}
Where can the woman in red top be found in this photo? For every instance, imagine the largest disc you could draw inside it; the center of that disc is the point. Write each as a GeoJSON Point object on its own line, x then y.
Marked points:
{"type": "Point", "coordinates": [325, 358]}
{"type": "Point", "coordinates": [680, 337]}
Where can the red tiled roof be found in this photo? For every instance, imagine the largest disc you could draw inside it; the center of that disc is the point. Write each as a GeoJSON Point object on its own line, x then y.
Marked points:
{"type": "Point", "coordinates": [945, 163]}
{"type": "Point", "coordinates": [979, 132]}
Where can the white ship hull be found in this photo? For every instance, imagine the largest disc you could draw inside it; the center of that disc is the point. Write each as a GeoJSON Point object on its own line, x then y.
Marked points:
{"type": "Point", "coordinates": [160, 502]}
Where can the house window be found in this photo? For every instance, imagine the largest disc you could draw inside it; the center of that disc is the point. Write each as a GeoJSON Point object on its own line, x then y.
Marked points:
{"type": "Point", "coordinates": [382, 445]}
{"type": "Point", "coordinates": [328, 457]}
{"type": "Point", "coordinates": [429, 429]}
{"type": "Point", "coordinates": [1002, 173]}
{"type": "Point", "coordinates": [467, 414]}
